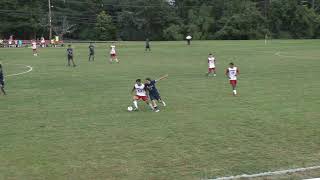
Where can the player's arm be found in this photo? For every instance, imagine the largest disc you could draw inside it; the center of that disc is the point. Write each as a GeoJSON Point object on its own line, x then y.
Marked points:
{"type": "Point", "coordinates": [133, 90]}
{"type": "Point", "coordinates": [147, 91]}
{"type": "Point", "coordinates": [238, 72]}
{"type": "Point", "coordinates": [162, 78]}
{"type": "Point", "coordinates": [227, 73]}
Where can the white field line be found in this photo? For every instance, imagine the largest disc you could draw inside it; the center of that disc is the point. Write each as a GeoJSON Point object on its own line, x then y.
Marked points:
{"type": "Point", "coordinates": [274, 173]}
{"type": "Point", "coordinates": [30, 68]}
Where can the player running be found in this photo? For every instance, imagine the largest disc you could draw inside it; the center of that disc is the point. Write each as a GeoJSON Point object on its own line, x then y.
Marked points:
{"type": "Point", "coordinates": [34, 48]}
{"type": "Point", "coordinates": [113, 54]}
{"type": "Point", "coordinates": [153, 91]}
{"type": "Point", "coordinates": [212, 65]}
{"type": "Point", "coordinates": [2, 80]}
{"type": "Point", "coordinates": [232, 72]}
{"type": "Point", "coordinates": [70, 56]}
{"type": "Point", "coordinates": [140, 94]}
{"type": "Point", "coordinates": [91, 52]}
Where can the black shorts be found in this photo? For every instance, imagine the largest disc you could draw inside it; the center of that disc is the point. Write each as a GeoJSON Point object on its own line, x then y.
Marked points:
{"type": "Point", "coordinates": [155, 96]}
{"type": "Point", "coordinates": [70, 57]}
{"type": "Point", "coordinates": [148, 47]}
{"type": "Point", "coordinates": [91, 53]}
{"type": "Point", "coordinates": [1, 83]}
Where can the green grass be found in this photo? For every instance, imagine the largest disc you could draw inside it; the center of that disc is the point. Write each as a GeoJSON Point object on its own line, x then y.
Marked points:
{"type": "Point", "coordinates": [71, 123]}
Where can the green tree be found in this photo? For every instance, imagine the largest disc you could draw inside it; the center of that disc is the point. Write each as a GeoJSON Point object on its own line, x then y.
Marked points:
{"type": "Point", "coordinates": [105, 29]}
{"type": "Point", "coordinates": [173, 32]}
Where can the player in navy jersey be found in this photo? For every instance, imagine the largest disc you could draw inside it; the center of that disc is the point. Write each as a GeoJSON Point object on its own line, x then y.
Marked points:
{"type": "Point", "coordinates": [153, 91]}
{"type": "Point", "coordinates": [70, 56]}
{"type": "Point", "coordinates": [2, 80]}
{"type": "Point", "coordinates": [91, 52]}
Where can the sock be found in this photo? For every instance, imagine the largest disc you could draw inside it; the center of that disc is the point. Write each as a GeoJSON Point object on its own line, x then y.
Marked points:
{"type": "Point", "coordinates": [235, 92]}
{"type": "Point", "coordinates": [164, 104]}
{"type": "Point", "coordinates": [135, 103]}
{"type": "Point", "coordinates": [151, 106]}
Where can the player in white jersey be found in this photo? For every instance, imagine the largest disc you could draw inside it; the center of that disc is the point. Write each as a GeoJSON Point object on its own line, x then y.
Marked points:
{"type": "Point", "coordinates": [140, 94]}
{"type": "Point", "coordinates": [232, 72]}
{"type": "Point", "coordinates": [212, 65]}
{"type": "Point", "coordinates": [34, 48]}
{"type": "Point", "coordinates": [113, 53]}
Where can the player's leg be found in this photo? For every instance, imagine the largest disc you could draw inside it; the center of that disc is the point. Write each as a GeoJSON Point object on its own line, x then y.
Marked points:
{"type": "Point", "coordinates": [111, 58]}
{"type": "Point", "coordinates": [161, 101]}
{"type": "Point", "coordinates": [2, 88]}
{"type": "Point", "coordinates": [69, 59]}
{"type": "Point", "coordinates": [116, 58]}
{"type": "Point", "coordinates": [209, 72]}
{"type": "Point", "coordinates": [145, 99]}
{"type": "Point", "coordinates": [214, 72]}
{"type": "Point", "coordinates": [234, 86]}
{"type": "Point", "coordinates": [153, 101]}
{"type": "Point", "coordinates": [74, 64]}
{"type": "Point", "coordinates": [135, 102]}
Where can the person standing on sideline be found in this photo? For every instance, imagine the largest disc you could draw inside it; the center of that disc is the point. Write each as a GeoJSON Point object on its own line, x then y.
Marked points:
{"type": "Point", "coordinates": [189, 39]}
{"type": "Point", "coordinates": [91, 52]}
{"type": "Point", "coordinates": [148, 44]}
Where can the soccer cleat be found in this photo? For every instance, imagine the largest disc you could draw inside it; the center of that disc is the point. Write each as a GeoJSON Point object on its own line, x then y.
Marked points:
{"type": "Point", "coordinates": [135, 109]}
{"type": "Point", "coordinates": [157, 110]}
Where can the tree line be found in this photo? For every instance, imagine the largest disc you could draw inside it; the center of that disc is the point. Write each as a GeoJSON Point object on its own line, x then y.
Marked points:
{"type": "Point", "coordinates": [161, 19]}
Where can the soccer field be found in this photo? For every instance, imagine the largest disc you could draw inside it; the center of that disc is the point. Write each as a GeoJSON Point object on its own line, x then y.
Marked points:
{"type": "Point", "coordinates": [59, 122]}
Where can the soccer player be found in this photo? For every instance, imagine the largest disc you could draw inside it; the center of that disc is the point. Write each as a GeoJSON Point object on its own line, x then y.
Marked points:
{"type": "Point", "coordinates": [212, 65]}
{"type": "Point", "coordinates": [91, 52]}
{"type": "Point", "coordinates": [113, 54]}
{"type": "Point", "coordinates": [2, 80]}
{"type": "Point", "coordinates": [70, 56]}
{"type": "Point", "coordinates": [232, 72]}
{"type": "Point", "coordinates": [189, 39]}
{"type": "Point", "coordinates": [153, 91]}
{"type": "Point", "coordinates": [140, 94]}
{"type": "Point", "coordinates": [34, 48]}
{"type": "Point", "coordinates": [43, 42]}
{"type": "Point", "coordinates": [148, 45]}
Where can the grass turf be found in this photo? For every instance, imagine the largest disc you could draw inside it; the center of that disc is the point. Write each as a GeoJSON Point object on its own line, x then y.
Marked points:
{"type": "Point", "coordinates": [71, 123]}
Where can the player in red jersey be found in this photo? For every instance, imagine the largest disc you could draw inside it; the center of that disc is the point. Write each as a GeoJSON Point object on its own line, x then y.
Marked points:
{"type": "Point", "coordinates": [232, 72]}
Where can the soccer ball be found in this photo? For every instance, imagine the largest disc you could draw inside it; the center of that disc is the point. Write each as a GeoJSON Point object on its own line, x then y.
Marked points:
{"type": "Point", "coordinates": [130, 108]}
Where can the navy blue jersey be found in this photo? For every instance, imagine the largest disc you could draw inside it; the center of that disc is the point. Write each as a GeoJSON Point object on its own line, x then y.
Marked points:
{"type": "Point", "coordinates": [152, 87]}
{"type": "Point", "coordinates": [1, 76]}
{"type": "Point", "coordinates": [91, 48]}
{"type": "Point", "coordinates": [70, 51]}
